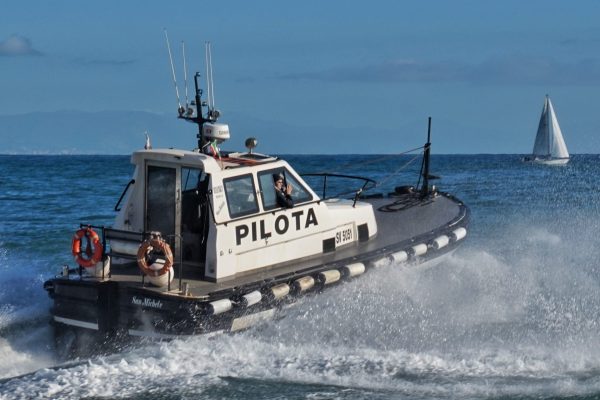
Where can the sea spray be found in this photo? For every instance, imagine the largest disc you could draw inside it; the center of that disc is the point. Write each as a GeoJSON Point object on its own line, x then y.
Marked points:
{"type": "Point", "coordinates": [512, 313]}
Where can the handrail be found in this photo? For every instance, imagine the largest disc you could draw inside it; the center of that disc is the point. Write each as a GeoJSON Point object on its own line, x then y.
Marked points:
{"type": "Point", "coordinates": [356, 193]}
{"type": "Point", "coordinates": [131, 182]}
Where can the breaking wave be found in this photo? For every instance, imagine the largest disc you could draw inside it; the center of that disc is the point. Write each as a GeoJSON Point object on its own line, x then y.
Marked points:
{"type": "Point", "coordinates": [476, 325]}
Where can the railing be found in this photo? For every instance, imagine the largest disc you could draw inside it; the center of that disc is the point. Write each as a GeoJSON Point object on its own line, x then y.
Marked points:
{"type": "Point", "coordinates": [367, 184]}
{"type": "Point", "coordinates": [117, 208]}
{"type": "Point", "coordinates": [136, 238]}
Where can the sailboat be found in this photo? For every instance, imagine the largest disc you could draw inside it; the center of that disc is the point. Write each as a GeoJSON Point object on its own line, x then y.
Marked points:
{"type": "Point", "coordinates": [549, 147]}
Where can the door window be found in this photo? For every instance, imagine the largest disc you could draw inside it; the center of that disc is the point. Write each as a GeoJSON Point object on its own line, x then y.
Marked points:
{"type": "Point", "coordinates": [194, 214]}
{"type": "Point", "coordinates": [160, 200]}
{"type": "Point", "coordinates": [241, 195]}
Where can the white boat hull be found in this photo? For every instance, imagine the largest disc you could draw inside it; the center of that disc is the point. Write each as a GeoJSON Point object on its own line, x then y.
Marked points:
{"type": "Point", "coordinates": [549, 161]}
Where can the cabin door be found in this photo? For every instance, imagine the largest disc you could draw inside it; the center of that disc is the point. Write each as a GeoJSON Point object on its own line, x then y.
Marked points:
{"type": "Point", "coordinates": [161, 205]}
{"type": "Point", "coordinates": [177, 207]}
{"type": "Point", "coordinates": [194, 215]}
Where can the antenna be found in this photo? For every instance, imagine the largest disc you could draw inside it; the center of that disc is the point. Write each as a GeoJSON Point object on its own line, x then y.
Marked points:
{"type": "Point", "coordinates": [209, 132]}
{"type": "Point", "coordinates": [212, 112]}
{"type": "Point", "coordinates": [212, 81]}
{"type": "Point", "coordinates": [185, 75]}
{"type": "Point", "coordinates": [208, 98]}
{"type": "Point", "coordinates": [181, 109]}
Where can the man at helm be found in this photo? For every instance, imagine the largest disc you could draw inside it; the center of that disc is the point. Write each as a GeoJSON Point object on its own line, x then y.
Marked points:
{"type": "Point", "coordinates": [283, 192]}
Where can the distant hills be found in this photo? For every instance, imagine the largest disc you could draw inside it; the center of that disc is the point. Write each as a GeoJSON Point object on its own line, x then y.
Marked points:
{"type": "Point", "coordinates": [121, 132]}
{"type": "Point", "coordinates": [73, 132]}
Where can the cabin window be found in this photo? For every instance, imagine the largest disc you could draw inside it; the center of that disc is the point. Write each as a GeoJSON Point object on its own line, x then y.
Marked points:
{"type": "Point", "coordinates": [191, 178]}
{"type": "Point", "coordinates": [241, 195]}
{"type": "Point", "coordinates": [267, 188]}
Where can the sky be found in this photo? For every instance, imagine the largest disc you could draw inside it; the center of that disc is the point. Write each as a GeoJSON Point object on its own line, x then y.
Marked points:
{"type": "Point", "coordinates": [480, 69]}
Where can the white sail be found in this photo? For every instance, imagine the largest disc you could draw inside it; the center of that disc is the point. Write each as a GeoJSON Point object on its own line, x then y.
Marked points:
{"type": "Point", "coordinates": [558, 148]}
{"type": "Point", "coordinates": [549, 144]}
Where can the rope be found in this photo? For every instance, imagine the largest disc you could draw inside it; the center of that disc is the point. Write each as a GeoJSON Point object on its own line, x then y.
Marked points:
{"type": "Point", "coordinates": [354, 164]}
{"type": "Point", "coordinates": [396, 172]}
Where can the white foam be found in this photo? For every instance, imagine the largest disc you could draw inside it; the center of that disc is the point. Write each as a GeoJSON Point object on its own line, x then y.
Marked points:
{"type": "Point", "coordinates": [511, 317]}
{"type": "Point", "coordinates": [198, 362]}
{"type": "Point", "coordinates": [26, 351]}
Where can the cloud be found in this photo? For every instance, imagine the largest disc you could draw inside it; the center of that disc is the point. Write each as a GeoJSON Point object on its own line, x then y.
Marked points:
{"type": "Point", "coordinates": [390, 71]}
{"type": "Point", "coordinates": [536, 71]}
{"type": "Point", "coordinates": [17, 45]}
{"type": "Point", "coordinates": [511, 69]}
{"type": "Point", "coordinates": [104, 62]}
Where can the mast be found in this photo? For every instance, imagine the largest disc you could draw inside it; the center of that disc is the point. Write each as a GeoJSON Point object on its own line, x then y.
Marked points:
{"type": "Point", "coordinates": [198, 118]}
{"type": "Point", "coordinates": [426, 154]}
{"type": "Point", "coordinates": [549, 129]}
{"type": "Point", "coordinates": [188, 113]}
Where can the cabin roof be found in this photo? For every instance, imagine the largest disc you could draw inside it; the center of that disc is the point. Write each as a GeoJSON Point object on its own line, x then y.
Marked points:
{"type": "Point", "coordinates": [227, 160]}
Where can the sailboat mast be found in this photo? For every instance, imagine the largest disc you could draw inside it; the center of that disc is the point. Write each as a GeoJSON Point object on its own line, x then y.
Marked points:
{"type": "Point", "coordinates": [549, 125]}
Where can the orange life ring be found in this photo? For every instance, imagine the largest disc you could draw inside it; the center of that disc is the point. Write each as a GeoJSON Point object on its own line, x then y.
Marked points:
{"type": "Point", "coordinates": [154, 244]}
{"type": "Point", "coordinates": [93, 239]}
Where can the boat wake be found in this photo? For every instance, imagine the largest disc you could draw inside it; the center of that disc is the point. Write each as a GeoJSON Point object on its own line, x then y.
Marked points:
{"type": "Point", "coordinates": [26, 341]}
{"type": "Point", "coordinates": [522, 322]}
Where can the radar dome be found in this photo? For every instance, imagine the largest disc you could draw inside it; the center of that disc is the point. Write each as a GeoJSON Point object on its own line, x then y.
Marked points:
{"type": "Point", "coordinates": [214, 131]}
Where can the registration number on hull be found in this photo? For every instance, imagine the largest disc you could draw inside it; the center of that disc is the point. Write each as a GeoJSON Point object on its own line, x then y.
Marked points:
{"type": "Point", "coordinates": [344, 234]}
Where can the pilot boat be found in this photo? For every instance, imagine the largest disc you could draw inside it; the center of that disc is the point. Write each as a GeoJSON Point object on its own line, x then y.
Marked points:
{"type": "Point", "coordinates": [200, 243]}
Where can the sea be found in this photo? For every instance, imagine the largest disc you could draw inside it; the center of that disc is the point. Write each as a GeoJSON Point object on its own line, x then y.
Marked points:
{"type": "Point", "coordinates": [514, 313]}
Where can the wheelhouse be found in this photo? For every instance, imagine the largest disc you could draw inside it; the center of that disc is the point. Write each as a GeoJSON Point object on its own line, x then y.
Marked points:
{"type": "Point", "coordinates": [220, 215]}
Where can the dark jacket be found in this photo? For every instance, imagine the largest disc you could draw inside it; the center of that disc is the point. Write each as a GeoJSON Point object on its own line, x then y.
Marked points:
{"type": "Point", "coordinates": [283, 199]}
